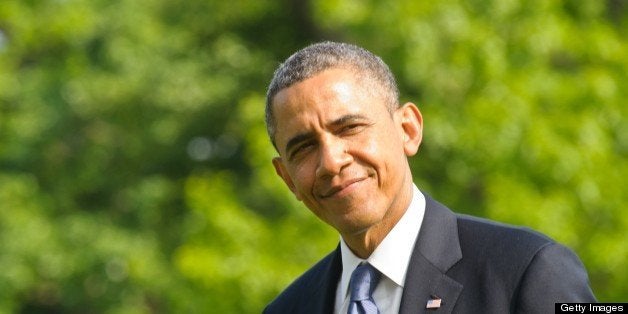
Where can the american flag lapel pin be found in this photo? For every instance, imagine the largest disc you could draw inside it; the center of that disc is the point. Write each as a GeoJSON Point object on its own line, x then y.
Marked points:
{"type": "Point", "coordinates": [433, 303]}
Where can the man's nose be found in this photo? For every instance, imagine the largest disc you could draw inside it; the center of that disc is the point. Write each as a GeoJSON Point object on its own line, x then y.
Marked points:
{"type": "Point", "coordinates": [333, 157]}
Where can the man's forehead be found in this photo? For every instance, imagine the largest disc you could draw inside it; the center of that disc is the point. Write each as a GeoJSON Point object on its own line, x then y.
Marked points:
{"type": "Point", "coordinates": [322, 99]}
{"type": "Point", "coordinates": [325, 91]}
{"type": "Point", "coordinates": [325, 80]}
{"type": "Point", "coordinates": [295, 119]}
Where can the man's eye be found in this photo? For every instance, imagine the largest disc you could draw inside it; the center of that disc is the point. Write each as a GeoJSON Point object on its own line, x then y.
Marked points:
{"type": "Point", "coordinates": [350, 129]}
{"type": "Point", "coordinates": [300, 149]}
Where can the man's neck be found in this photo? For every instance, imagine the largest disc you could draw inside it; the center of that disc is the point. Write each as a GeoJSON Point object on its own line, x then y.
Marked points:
{"type": "Point", "coordinates": [364, 243]}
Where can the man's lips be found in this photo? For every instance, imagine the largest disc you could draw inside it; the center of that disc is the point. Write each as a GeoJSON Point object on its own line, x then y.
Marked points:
{"type": "Point", "coordinates": [335, 189]}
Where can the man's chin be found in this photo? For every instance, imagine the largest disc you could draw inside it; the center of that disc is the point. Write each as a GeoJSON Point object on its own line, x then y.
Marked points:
{"type": "Point", "coordinates": [352, 226]}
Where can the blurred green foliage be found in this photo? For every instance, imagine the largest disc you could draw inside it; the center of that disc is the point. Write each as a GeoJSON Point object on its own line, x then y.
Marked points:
{"type": "Point", "coordinates": [135, 171]}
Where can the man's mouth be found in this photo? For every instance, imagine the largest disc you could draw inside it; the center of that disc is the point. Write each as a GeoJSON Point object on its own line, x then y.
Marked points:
{"type": "Point", "coordinates": [339, 188]}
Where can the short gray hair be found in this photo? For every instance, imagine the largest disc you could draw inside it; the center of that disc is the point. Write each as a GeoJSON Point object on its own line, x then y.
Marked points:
{"type": "Point", "coordinates": [322, 56]}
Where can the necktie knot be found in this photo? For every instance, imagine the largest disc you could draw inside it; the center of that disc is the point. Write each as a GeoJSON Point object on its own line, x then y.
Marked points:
{"type": "Point", "coordinates": [363, 281]}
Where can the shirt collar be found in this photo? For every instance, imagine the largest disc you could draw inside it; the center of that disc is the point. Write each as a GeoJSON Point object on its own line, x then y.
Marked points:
{"type": "Point", "coordinates": [391, 257]}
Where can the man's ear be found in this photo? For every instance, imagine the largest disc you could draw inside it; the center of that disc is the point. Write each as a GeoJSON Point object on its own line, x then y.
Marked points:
{"type": "Point", "coordinates": [412, 127]}
{"type": "Point", "coordinates": [282, 172]}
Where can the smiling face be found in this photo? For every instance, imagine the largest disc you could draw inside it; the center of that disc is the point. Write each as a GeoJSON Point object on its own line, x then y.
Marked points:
{"type": "Point", "coordinates": [343, 153]}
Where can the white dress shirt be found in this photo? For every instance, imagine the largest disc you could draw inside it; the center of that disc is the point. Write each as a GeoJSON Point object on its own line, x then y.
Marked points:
{"type": "Point", "coordinates": [391, 258]}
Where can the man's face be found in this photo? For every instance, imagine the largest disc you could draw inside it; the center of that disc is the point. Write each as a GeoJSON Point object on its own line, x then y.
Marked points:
{"type": "Point", "coordinates": [341, 151]}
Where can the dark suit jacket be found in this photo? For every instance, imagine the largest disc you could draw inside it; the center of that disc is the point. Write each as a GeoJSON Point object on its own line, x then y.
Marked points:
{"type": "Point", "coordinates": [473, 265]}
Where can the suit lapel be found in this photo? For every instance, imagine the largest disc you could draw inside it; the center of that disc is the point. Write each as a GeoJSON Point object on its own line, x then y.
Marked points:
{"type": "Point", "coordinates": [436, 250]}
{"type": "Point", "coordinates": [323, 294]}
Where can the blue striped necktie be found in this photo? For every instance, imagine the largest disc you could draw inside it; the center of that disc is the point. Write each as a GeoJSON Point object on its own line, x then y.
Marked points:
{"type": "Point", "coordinates": [363, 281]}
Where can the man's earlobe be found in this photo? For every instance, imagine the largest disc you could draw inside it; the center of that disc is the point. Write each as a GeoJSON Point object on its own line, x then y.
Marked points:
{"type": "Point", "coordinates": [412, 125]}
{"type": "Point", "coordinates": [282, 172]}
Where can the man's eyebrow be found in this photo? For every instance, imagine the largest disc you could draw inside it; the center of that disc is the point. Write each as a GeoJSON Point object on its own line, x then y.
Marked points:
{"type": "Point", "coordinates": [338, 122]}
{"type": "Point", "coordinates": [347, 118]}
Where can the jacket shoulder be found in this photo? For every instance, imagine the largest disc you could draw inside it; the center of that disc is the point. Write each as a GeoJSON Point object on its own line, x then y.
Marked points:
{"type": "Point", "coordinates": [494, 252]}
{"type": "Point", "coordinates": [307, 287]}
{"type": "Point", "coordinates": [491, 236]}
{"type": "Point", "coordinates": [525, 268]}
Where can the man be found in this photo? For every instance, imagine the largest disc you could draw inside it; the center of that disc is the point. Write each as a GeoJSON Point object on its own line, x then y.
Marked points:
{"type": "Point", "coordinates": [343, 140]}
